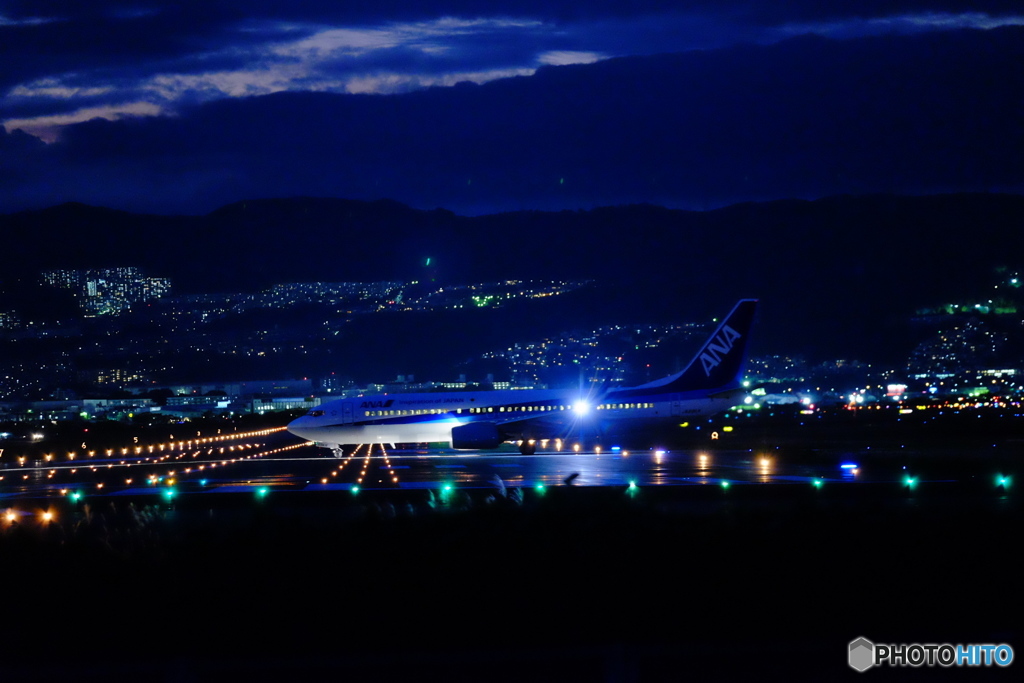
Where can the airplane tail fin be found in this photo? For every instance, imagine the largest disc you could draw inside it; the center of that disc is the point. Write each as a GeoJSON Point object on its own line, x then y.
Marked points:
{"type": "Point", "coordinates": [719, 363]}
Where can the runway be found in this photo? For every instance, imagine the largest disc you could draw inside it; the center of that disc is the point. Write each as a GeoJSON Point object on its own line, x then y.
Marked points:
{"type": "Point", "coordinates": [404, 469]}
{"type": "Point", "coordinates": [269, 460]}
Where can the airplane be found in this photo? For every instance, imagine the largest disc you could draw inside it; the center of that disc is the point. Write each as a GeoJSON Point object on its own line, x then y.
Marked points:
{"type": "Point", "coordinates": [481, 420]}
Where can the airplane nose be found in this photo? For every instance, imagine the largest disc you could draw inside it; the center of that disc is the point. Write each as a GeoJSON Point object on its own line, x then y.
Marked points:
{"type": "Point", "coordinates": [297, 425]}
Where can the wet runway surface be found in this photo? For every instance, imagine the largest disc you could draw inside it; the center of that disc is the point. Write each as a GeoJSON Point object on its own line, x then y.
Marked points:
{"type": "Point", "coordinates": [980, 449]}
{"type": "Point", "coordinates": [304, 467]}
{"type": "Point", "coordinates": [423, 469]}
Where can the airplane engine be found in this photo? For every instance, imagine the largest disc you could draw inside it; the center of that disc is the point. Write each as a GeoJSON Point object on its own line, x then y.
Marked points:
{"type": "Point", "coordinates": [476, 435]}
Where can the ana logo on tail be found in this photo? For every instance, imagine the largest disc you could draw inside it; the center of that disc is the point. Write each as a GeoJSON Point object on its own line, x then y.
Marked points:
{"type": "Point", "coordinates": [717, 348]}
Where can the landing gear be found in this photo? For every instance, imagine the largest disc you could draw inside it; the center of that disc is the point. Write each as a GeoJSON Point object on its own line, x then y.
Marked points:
{"type": "Point", "coordinates": [343, 451]}
{"type": "Point", "coordinates": [527, 446]}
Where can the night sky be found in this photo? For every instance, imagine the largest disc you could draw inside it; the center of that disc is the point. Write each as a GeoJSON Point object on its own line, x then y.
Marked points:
{"type": "Point", "coordinates": [481, 107]}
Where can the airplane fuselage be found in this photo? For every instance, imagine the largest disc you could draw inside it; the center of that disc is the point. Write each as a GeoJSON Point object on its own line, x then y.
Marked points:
{"type": "Point", "coordinates": [533, 414]}
{"type": "Point", "coordinates": [484, 419]}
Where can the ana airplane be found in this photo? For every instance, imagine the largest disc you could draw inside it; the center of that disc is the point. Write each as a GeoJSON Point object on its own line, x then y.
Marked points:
{"type": "Point", "coordinates": [485, 419]}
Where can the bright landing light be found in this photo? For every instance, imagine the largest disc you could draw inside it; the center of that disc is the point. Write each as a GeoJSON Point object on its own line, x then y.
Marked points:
{"type": "Point", "coordinates": [581, 407]}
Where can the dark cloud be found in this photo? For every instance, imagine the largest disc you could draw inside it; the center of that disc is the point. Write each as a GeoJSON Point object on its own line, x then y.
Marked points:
{"type": "Point", "coordinates": [808, 117]}
{"type": "Point", "coordinates": [215, 11]}
{"type": "Point", "coordinates": [102, 34]}
{"type": "Point", "coordinates": [466, 53]}
{"type": "Point", "coordinates": [51, 47]}
{"type": "Point", "coordinates": [95, 40]}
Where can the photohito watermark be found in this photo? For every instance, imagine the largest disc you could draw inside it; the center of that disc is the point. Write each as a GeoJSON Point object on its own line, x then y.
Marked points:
{"type": "Point", "coordinates": [863, 654]}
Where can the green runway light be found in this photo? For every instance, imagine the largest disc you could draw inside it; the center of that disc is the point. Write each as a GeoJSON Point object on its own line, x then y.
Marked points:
{"type": "Point", "coordinates": [909, 482]}
{"type": "Point", "coordinates": [262, 492]}
{"type": "Point", "coordinates": [632, 484]}
{"type": "Point", "coordinates": [725, 484]}
{"type": "Point", "coordinates": [539, 488]}
{"type": "Point", "coordinates": [76, 496]}
{"type": "Point", "coordinates": [354, 489]}
{"type": "Point", "coordinates": [1002, 481]}
{"type": "Point", "coordinates": [169, 494]}
{"type": "Point", "coordinates": [817, 483]}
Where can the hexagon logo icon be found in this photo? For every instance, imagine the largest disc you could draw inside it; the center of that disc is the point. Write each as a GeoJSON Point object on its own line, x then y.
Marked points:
{"type": "Point", "coordinates": [862, 654]}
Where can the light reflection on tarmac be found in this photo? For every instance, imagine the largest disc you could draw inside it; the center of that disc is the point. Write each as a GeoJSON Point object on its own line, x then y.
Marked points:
{"type": "Point", "coordinates": [424, 469]}
{"type": "Point", "coordinates": [645, 468]}
{"type": "Point", "coordinates": [308, 468]}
